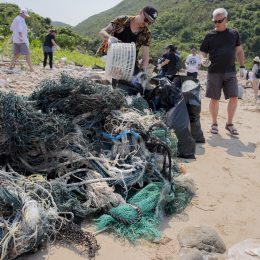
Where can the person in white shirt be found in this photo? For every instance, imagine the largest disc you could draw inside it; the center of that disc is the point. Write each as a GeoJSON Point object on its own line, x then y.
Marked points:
{"type": "Point", "coordinates": [256, 76]}
{"type": "Point", "coordinates": [20, 39]}
{"type": "Point", "coordinates": [193, 63]}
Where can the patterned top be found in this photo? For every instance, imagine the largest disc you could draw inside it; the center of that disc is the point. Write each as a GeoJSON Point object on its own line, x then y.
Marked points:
{"type": "Point", "coordinates": [119, 25]}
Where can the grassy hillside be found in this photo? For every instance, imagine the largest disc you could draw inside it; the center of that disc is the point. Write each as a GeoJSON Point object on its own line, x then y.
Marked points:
{"type": "Point", "coordinates": [185, 22]}
{"type": "Point", "coordinates": [75, 47]}
{"type": "Point", "coordinates": [60, 24]}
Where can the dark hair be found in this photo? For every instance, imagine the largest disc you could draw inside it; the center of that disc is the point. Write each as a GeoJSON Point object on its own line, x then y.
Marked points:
{"type": "Point", "coordinates": [193, 47]}
{"type": "Point", "coordinates": [171, 47]}
{"type": "Point", "coordinates": [52, 31]}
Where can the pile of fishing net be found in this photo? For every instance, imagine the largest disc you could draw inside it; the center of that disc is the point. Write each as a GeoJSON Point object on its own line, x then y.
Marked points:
{"type": "Point", "coordinates": [78, 149]}
{"type": "Point", "coordinates": [30, 215]}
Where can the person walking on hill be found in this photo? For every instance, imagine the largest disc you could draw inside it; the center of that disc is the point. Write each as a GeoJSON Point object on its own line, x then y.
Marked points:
{"type": "Point", "coordinates": [20, 39]}
{"type": "Point", "coordinates": [193, 63]}
{"type": "Point", "coordinates": [48, 47]}
{"type": "Point", "coordinates": [256, 76]}
{"type": "Point", "coordinates": [219, 50]}
{"type": "Point", "coordinates": [129, 29]}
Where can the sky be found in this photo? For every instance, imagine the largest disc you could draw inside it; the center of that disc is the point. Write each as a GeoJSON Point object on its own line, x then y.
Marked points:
{"type": "Point", "coordinates": [71, 12]}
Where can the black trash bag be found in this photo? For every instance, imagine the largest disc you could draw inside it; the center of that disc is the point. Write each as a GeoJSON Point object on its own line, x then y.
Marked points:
{"type": "Point", "coordinates": [191, 93]}
{"type": "Point", "coordinates": [173, 101]}
{"type": "Point", "coordinates": [130, 88]}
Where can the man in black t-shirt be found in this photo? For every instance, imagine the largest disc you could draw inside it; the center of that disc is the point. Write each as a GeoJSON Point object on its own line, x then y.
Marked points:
{"type": "Point", "coordinates": [129, 29]}
{"type": "Point", "coordinates": [219, 50]}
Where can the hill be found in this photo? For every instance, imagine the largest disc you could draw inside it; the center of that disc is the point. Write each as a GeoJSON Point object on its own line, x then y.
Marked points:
{"type": "Point", "coordinates": [75, 47]}
{"type": "Point", "coordinates": [185, 22]}
{"type": "Point", "coordinates": [60, 24]}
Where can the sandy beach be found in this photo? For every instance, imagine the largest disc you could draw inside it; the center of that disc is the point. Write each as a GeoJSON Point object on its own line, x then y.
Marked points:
{"type": "Point", "coordinates": [226, 174]}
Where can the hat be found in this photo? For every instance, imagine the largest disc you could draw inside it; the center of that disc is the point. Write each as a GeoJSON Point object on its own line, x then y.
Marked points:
{"type": "Point", "coordinates": [150, 12]}
{"type": "Point", "coordinates": [171, 47]}
{"type": "Point", "coordinates": [25, 12]}
{"type": "Point", "coordinates": [256, 59]}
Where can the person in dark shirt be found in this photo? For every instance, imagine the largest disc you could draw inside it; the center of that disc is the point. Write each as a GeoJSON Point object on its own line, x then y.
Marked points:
{"type": "Point", "coordinates": [167, 66]}
{"type": "Point", "coordinates": [49, 43]}
{"type": "Point", "coordinates": [219, 50]}
{"type": "Point", "coordinates": [129, 29]}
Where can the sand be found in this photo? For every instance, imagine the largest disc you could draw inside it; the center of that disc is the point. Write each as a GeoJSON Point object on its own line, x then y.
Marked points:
{"type": "Point", "coordinates": [226, 172]}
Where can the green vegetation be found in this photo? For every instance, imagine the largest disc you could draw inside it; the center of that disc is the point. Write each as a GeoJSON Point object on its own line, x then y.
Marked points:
{"type": "Point", "coordinates": [59, 24]}
{"type": "Point", "coordinates": [185, 22]}
{"type": "Point", "coordinates": [72, 56]}
{"type": "Point", "coordinates": [76, 48]}
{"type": "Point", "coordinates": [180, 22]}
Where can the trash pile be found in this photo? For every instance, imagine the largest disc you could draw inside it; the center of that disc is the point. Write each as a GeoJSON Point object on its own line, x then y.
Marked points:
{"type": "Point", "coordinates": [77, 150]}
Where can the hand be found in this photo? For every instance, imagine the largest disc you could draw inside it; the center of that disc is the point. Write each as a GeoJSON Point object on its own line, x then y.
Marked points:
{"type": "Point", "coordinates": [205, 62]}
{"type": "Point", "coordinates": [112, 39]}
{"type": "Point", "coordinates": [57, 47]}
{"type": "Point", "coordinates": [242, 72]}
{"type": "Point", "coordinates": [159, 66]}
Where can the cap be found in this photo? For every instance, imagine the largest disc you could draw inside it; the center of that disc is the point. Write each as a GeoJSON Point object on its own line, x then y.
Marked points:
{"type": "Point", "coordinates": [150, 13]}
{"type": "Point", "coordinates": [256, 59]}
{"type": "Point", "coordinates": [25, 12]}
{"type": "Point", "coordinates": [171, 47]}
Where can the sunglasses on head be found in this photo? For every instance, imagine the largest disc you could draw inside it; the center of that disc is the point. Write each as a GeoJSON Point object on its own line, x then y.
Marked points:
{"type": "Point", "coordinates": [219, 21]}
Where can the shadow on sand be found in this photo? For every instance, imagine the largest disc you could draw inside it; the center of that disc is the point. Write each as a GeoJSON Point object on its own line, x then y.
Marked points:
{"type": "Point", "coordinates": [232, 144]}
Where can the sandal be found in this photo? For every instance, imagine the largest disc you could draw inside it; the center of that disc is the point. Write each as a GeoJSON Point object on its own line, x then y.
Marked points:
{"type": "Point", "coordinates": [214, 129]}
{"type": "Point", "coordinates": [232, 130]}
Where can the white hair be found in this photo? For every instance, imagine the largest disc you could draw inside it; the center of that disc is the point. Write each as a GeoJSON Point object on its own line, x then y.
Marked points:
{"type": "Point", "coordinates": [220, 11]}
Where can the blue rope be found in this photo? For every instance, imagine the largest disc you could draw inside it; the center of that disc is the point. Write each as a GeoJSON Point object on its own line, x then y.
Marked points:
{"type": "Point", "coordinates": [119, 136]}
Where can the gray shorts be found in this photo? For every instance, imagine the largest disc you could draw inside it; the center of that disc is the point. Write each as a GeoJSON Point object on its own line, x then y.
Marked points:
{"type": "Point", "coordinates": [21, 48]}
{"type": "Point", "coordinates": [218, 81]}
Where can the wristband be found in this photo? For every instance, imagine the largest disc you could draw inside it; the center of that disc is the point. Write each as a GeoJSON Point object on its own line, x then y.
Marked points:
{"type": "Point", "coordinates": [242, 67]}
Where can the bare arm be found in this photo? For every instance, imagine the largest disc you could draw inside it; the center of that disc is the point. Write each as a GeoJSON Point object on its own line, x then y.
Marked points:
{"type": "Point", "coordinates": [145, 61]}
{"type": "Point", "coordinates": [240, 55]}
{"type": "Point", "coordinates": [164, 63]}
{"type": "Point", "coordinates": [54, 43]}
{"type": "Point", "coordinates": [105, 33]}
{"type": "Point", "coordinates": [20, 36]}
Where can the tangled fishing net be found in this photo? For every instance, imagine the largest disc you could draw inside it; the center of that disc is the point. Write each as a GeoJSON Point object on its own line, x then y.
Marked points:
{"type": "Point", "coordinates": [75, 148]}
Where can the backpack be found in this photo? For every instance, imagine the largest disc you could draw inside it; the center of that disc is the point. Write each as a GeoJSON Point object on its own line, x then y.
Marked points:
{"type": "Point", "coordinates": [257, 75]}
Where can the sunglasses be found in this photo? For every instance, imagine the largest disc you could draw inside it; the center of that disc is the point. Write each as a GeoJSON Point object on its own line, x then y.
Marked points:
{"type": "Point", "coordinates": [219, 21]}
{"type": "Point", "coordinates": [146, 20]}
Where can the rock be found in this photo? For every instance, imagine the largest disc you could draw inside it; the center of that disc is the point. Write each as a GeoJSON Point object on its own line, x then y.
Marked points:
{"type": "Point", "coordinates": [203, 238]}
{"type": "Point", "coordinates": [190, 254]}
{"type": "Point", "coordinates": [248, 249]}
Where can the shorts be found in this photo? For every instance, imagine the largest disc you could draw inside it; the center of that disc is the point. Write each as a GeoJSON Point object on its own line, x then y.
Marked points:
{"type": "Point", "coordinates": [21, 48]}
{"type": "Point", "coordinates": [47, 49]}
{"type": "Point", "coordinates": [218, 81]}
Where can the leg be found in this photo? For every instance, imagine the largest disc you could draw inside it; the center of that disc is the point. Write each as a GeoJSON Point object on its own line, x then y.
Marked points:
{"type": "Point", "coordinates": [29, 62]}
{"type": "Point", "coordinates": [51, 59]}
{"type": "Point", "coordinates": [213, 109]}
{"type": "Point", "coordinates": [255, 85]}
{"type": "Point", "coordinates": [13, 61]}
{"type": "Point", "coordinates": [231, 109]}
{"type": "Point", "coordinates": [231, 93]}
{"type": "Point", "coordinates": [45, 54]}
